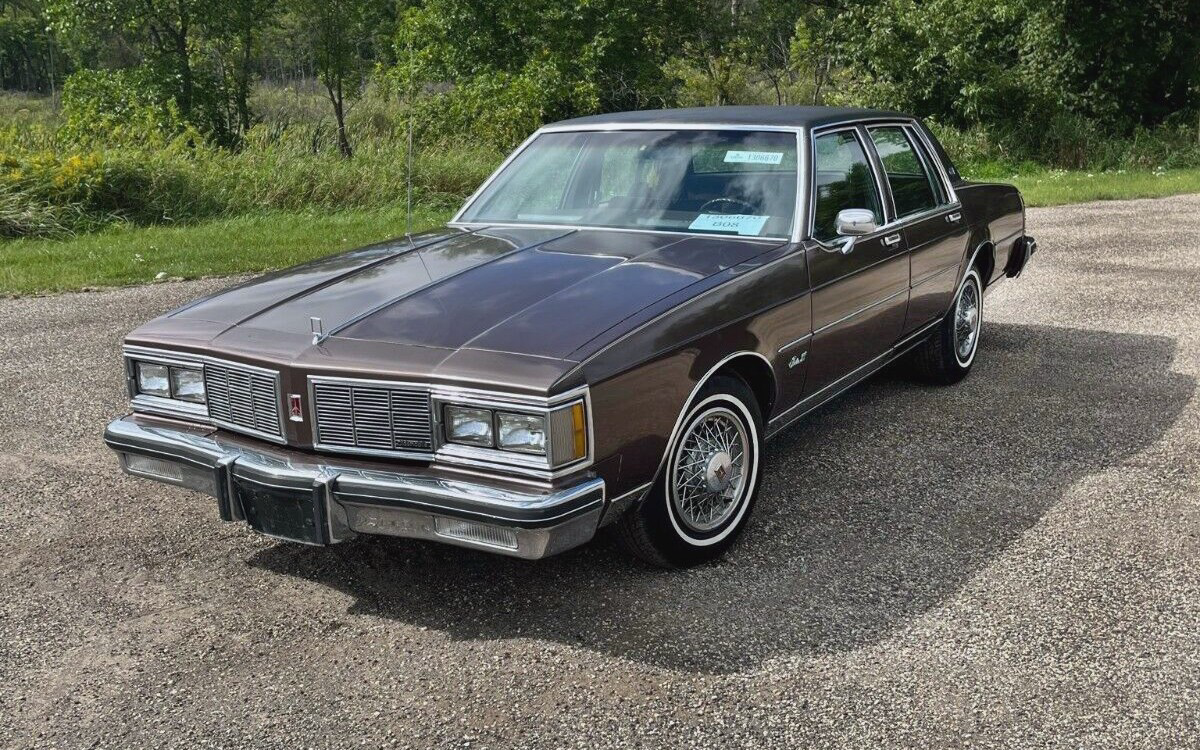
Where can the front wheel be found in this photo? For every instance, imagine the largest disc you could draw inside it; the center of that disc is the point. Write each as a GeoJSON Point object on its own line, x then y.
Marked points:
{"type": "Point", "coordinates": [947, 355]}
{"type": "Point", "coordinates": [703, 497]}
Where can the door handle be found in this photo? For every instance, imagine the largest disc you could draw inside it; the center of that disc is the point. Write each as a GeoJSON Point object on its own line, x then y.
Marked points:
{"type": "Point", "coordinates": [953, 218]}
{"type": "Point", "coordinates": [892, 240]}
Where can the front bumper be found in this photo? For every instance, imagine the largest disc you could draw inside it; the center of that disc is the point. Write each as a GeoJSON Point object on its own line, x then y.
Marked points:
{"type": "Point", "coordinates": [301, 498]}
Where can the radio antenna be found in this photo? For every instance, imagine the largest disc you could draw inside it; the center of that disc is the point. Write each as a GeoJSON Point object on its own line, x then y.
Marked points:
{"type": "Point", "coordinates": [409, 149]}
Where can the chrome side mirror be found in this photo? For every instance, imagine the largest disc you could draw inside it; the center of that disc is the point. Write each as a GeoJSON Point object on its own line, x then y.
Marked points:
{"type": "Point", "coordinates": [852, 223]}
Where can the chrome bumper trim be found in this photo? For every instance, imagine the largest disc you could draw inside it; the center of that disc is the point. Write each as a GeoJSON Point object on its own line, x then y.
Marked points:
{"type": "Point", "coordinates": [332, 502]}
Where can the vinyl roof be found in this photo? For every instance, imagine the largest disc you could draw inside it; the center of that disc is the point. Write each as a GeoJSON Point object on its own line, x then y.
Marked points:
{"type": "Point", "coordinates": [756, 115]}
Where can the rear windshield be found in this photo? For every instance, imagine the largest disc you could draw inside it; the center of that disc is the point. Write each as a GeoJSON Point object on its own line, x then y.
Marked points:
{"type": "Point", "coordinates": [712, 182]}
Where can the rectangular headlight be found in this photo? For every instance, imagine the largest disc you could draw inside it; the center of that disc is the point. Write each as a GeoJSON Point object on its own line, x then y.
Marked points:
{"type": "Point", "coordinates": [523, 433]}
{"type": "Point", "coordinates": [153, 380]}
{"type": "Point", "coordinates": [468, 426]}
{"type": "Point", "coordinates": [187, 384]}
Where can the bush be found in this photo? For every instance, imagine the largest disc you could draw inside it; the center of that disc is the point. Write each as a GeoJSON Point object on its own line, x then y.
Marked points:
{"type": "Point", "coordinates": [119, 106]}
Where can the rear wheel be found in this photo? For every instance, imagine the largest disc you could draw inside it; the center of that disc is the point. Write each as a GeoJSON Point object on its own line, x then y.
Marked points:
{"type": "Point", "coordinates": [703, 497]}
{"type": "Point", "coordinates": [947, 355]}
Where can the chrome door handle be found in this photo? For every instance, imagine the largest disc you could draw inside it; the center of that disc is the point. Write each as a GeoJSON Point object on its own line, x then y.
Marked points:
{"type": "Point", "coordinates": [953, 218]}
{"type": "Point", "coordinates": [892, 240]}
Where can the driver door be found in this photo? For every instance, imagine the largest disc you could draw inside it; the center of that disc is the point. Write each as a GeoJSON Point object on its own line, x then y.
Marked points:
{"type": "Point", "coordinates": [859, 285]}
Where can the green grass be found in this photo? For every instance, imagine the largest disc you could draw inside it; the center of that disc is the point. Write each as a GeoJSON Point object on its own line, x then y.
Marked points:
{"type": "Point", "coordinates": [124, 254]}
{"type": "Point", "coordinates": [1053, 188]}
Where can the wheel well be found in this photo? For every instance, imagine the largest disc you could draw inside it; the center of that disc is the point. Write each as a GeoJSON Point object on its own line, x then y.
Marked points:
{"type": "Point", "coordinates": [757, 374]}
{"type": "Point", "coordinates": [985, 259]}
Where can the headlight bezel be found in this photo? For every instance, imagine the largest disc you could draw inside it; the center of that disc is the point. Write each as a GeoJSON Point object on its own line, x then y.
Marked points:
{"type": "Point", "coordinates": [156, 402]}
{"type": "Point", "coordinates": [565, 426]}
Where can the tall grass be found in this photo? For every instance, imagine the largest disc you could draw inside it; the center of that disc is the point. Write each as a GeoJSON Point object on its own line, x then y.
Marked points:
{"type": "Point", "coordinates": [287, 162]}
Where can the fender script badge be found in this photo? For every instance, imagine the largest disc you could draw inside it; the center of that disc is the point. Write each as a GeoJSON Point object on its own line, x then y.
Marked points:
{"type": "Point", "coordinates": [797, 360]}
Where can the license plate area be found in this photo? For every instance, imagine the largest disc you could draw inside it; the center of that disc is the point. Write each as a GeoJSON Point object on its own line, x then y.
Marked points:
{"type": "Point", "coordinates": [294, 515]}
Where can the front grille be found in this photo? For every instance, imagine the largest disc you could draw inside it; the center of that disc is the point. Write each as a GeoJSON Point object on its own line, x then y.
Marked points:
{"type": "Point", "coordinates": [371, 417]}
{"type": "Point", "coordinates": [243, 399]}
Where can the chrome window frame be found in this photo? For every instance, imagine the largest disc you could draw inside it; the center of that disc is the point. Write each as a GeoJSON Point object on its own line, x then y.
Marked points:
{"type": "Point", "coordinates": [801, 167]}
{"type": "Point", "coordinates": [940, 189]}
{"type": "Point", "coordinates": [454, 454]}
{"type": "Point", "coordinates": [885, 194]}
{"type": "Point", "coordinates": [863, 125]}
{"type": "Point", "coordinates": [196, 412]}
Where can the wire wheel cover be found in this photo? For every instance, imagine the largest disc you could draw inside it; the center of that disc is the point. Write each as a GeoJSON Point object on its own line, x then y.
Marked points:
{"type": "Point", "coordinates": [966, 322]}
{"type": "Point", "coordinates": [709, 477]}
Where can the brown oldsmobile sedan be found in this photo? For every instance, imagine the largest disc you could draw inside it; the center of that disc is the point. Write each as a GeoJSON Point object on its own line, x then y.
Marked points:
{"type": "Point", "coordinates": [606, 333]}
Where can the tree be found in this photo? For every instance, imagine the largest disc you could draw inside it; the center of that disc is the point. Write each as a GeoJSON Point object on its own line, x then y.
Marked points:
{"type": "Point", "coordinates": [198, 51]}
{"type": "Point", "coordinates": [339, 35]}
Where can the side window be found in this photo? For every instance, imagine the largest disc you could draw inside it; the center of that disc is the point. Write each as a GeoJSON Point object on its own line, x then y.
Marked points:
{"type": "Point", "coordinates": [842, 179]}
{"type": "Point", "coordinates": [913, 188]}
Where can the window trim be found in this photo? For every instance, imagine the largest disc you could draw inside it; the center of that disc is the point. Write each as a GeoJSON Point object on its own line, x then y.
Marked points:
{"type": "Point", "coordinates": [893, 223]}
{"type": "Point", "coordinates": [932, 178]}
{"type": "Point", "coordinates": [884, 197]}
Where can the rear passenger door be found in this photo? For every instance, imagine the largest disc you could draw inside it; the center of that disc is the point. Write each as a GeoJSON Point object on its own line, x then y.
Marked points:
{"type": "Point", "coordinates": [859, 290]}
{"type": "Point", "coordinates": [927, 215]}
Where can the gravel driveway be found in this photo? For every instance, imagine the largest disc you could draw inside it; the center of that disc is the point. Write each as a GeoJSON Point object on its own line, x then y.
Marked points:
{"type": "Point", "coordinates": [1013, 561]}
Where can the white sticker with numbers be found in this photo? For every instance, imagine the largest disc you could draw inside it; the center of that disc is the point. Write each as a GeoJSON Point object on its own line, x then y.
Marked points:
{"type": "Point", "coordinates": [753, 157]}
{"type": "Point", "coordinates": [739, 223]}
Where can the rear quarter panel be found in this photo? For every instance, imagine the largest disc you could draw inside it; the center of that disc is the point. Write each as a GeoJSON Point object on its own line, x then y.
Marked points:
{"type": "Point", "coordinates": [996, 213]}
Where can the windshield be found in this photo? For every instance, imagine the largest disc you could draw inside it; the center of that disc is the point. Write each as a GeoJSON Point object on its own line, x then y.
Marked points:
{"type": "Point", "coordinates": [720, 182]}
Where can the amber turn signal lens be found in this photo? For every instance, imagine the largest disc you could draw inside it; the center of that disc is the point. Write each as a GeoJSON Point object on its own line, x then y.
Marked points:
{"type": "Point", "coordinates": [579, 430]}
{"type": "Point", "coordinates": [568, 434]}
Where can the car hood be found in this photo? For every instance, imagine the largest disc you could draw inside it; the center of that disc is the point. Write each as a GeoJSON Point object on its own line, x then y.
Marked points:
{"type": "Point", "coordinates": [452, 302]}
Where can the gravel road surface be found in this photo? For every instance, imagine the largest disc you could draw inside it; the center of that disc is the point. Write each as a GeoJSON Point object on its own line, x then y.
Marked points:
{"type": "Point", "coordinates": [1010, 562]}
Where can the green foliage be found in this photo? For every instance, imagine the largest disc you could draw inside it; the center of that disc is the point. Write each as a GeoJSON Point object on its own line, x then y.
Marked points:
{"type": "Point", "coordinates": [497, 68]}
{"type": "Point", "coordinates": [1049, 80]}
{"type": "Point", "coordinates": [29, 55]}
{"type": "Point", "coordinates": [79, 185]}
{"type": "Point", "coordinates": [117, 107]}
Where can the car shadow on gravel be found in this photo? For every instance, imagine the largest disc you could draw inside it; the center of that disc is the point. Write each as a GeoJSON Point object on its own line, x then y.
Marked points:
{"type": "Point", "coordinates": [875, 510]}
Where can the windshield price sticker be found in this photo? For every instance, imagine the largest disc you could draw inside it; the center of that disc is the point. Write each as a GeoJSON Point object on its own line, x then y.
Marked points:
{"type": "Point", "coordinates": [753, 157]}
{"type": "Point", "coordinates": [739, 223]}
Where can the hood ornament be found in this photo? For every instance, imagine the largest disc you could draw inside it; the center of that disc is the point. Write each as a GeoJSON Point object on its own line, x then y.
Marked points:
{"type": "Point", "coordinates": [318, 330]}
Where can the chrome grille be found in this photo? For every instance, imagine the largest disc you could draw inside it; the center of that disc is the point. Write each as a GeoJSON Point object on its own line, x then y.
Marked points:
{"type": "Point", "coordinates": [372, 417]}
{"type": "Point", "coordinates": [243, 399]}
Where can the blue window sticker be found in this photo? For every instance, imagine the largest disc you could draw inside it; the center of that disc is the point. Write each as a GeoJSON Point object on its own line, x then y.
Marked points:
{"type": "Point", "coordinates": [739, 223]}
{"type": "Point", "coordinates": [753, 157]}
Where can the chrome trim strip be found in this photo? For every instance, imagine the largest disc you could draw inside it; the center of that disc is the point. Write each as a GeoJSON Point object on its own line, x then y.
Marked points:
{"type": "Point", "coordinates": [911, 338]}
{"type": "Point", "coordinates": [635, 491]}
{"type": "Point", "coordinates": [818, 399]}
{"type": "Point", "coordinates": [860, 311]}
{"type": "Point", "coordinates": [481, 226]}
{"type": "Point", "coordinates": [793, 344]}
{"type": "Point", "coordinates": [930, 277]}
{"type": "Point", "coordinates": [170, 407]}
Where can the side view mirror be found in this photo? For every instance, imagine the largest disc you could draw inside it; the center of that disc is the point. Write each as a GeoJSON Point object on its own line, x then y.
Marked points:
{"type": "Point", "coordinates": [852, 223]}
